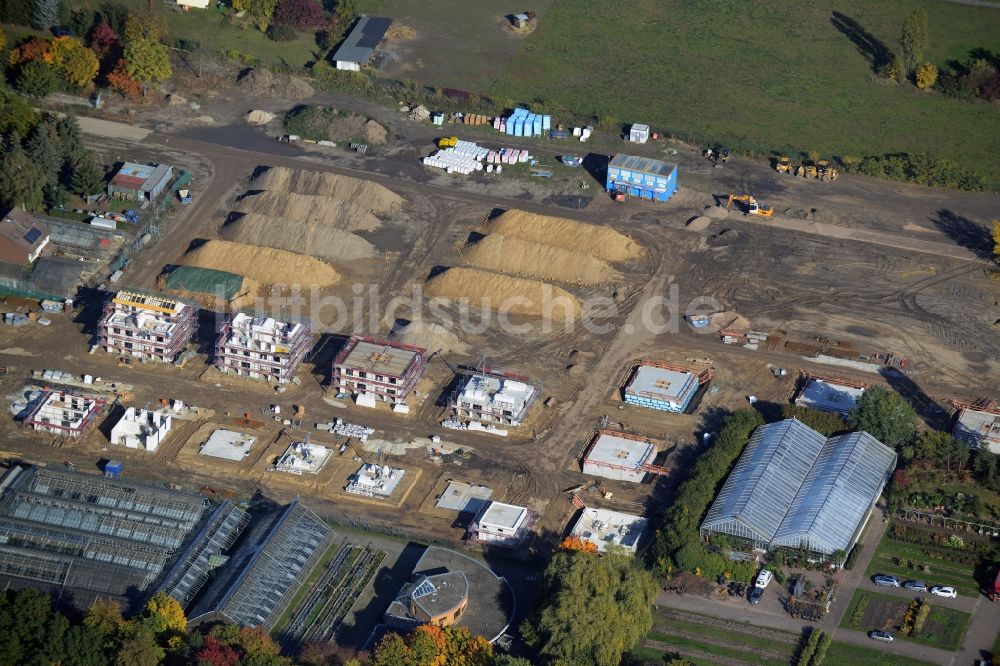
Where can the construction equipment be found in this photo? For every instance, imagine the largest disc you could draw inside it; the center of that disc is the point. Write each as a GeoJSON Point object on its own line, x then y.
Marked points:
{"type": "Point", "coordinates": [783, 165]}
{"type": "Point", "coordinates": [448, 142]}
{"type": "Point", "coordinates": [806, 170]}
{"type": "Point", "coordinates": [825, 171]}
{"type": "Point", "coordinates": [752, 207]}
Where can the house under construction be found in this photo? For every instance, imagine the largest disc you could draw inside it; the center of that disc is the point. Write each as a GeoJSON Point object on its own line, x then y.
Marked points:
{"type": "Point", "coordinates": [978, 424]}
{"type": "Point", "coordinates": [261, 347]}
{"type": "Point", "coordinates": [622, 456]}
{"type": "Point", "coordinates": [500, 524]}
{"type": "Point", "coordinates": [64, 414]}
{"type": "Point", "coordinates": [493, 396]}
{"type": "Point", "coordinates": [665, 387]}
{"type": "Point", "coordinates": [146, 326]}
{"type": "Point", "coordinates": [95, 536]}
{"type": "Point", "coordinates": [378, 370]}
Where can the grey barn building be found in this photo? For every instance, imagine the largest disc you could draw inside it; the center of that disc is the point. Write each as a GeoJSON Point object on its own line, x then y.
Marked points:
{"type": "Point", "coordinates": [360, 44]}
{"type": "Point", "coordinates": [793, 487]}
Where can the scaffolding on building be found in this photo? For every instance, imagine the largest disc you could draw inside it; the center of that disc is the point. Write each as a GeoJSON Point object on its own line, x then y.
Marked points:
{"type": "Point", "coordinates": [652, 447]}
{"type": "Point", "coordinates": [246, 346]}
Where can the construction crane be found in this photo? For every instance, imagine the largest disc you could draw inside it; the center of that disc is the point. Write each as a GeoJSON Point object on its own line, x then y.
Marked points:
{"type": "Point", "coordinates": [752, 207]}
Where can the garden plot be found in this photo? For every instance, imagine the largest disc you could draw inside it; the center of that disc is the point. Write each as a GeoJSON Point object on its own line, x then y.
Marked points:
{"type": "Point", "coordinates": [930, 564]}
{"type": "Point", "coordinates": [943, 627]}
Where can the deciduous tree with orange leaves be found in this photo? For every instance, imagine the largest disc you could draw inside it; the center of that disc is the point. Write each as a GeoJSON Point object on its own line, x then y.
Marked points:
{"type": "Point", "coordinates": [576, 543]}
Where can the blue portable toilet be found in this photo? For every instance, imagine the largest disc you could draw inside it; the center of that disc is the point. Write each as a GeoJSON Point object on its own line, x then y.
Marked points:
{"type": "Point", "coordinates": [113, 469]}
{"type": "Point", "coordinates": [536, 126]}
{"type": "Point", "coordinates": [546, 122]}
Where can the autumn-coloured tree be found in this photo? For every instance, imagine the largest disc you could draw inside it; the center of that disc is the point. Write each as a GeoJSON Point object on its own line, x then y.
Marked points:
{"type": "Point", "coordinates": [165, 614]}
{"type": "Point", "coordinates": [152, 26]}
{"type": "Point", "coordinates": [3, 39]}
{"type": "Point", "coordinates": [216, 654]}
{"type": "Point", "coordinates": [576, 543]}
{"type": "Point", "coordinates": [260, 10]}
{"type": "Point", "coordinates": [431, 645]}
{"type": "Point", "coordinates": [926, 75]}
{"type": "Point", "coordinates": [122, 82]}
{"type": "Point", "coordinates": [996, 241]}
{"type": "Point", "coordinates": [105, 616]}
{"type": "Point", "coordinates": [73, 61]}
{"type": "Point", "coordinates": [299, 14]}
{"type": "Point", "coordinates": [147, 62]}
{"type": "Point", "coordinates": [104, 40]}
{"type": "Point", "coordinates": [31, 49]}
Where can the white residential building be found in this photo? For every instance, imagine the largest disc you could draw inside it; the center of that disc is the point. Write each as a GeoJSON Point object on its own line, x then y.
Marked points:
{"type": "Point", "coordinates": [621, 456]}
{"type": "Point", "coordinates": [64, 414]}
{"type": "Point", "coordinates": [303, 458]}
{"type": "Point", "coordinates": [261, 347]}
{"type": "Point", "coordinates": [501, 524]}
{"type": "Point", "coordinates": [146, 326]}
{"type": "Point", "coordinates": [378, 481]}
{"type": "Point", "coordinates": [142, 428]}
{"type": "Point", "coordinates": [604, 528]}
{"type": "Point", "coordinates": [829, 396]}
{"type": "Point", "coordinates": [494, 397]}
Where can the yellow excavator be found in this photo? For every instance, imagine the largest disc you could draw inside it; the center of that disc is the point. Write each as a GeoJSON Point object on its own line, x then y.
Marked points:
{"type": "Point", "coordinates": [751, 205]}
{"type": "Point", "coordinates": [783, 165]}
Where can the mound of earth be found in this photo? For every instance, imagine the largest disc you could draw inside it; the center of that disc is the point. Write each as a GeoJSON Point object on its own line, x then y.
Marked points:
{"type": "Point", "coordinates": [699, 223]}
{"type": "Point", "coordinates": [504, 293]}
{"type": "Point", "coordinates": [716, 212]}
{"type": "Point", "coordinates": [428, 335]}
{"type": "Point", "coordinates": [258, 117]}
{"type": "Point", "coordinates": [729, 320]}
{"type": "Point", "coordinates": [305, 237]}
{"type": "Point", "coordinates": [364, 193]}
{"type": "Point", "coordinates": [265, 83]}
{"type": "Point", "coordinates": [528, 258]}
{"type": "Point", "coordinates": [309, 209]}
{"type": "Point", "coordinates": [265, 265]}
{"type": "Point", "coordinates": [599, 242]}
{"type": "Point", "coordinates": [375, 134]}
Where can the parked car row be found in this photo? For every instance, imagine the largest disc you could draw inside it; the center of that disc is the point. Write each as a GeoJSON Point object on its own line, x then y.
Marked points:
{"type": "Point", "coordinates": [883, 580]}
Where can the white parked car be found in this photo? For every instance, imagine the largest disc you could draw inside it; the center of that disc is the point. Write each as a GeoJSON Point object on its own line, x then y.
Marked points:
{"type": "Point", "coordinates": [944, 591]}
{"type": "Point", "coordinates": [764, 578]}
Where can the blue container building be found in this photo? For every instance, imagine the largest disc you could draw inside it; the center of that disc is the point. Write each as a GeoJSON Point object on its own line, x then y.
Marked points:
{"type": "Point", "coordinates": [641, 177]}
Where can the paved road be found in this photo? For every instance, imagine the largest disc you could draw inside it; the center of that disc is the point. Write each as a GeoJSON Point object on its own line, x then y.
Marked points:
{"type": "Point", "coordinates": [741, 611]}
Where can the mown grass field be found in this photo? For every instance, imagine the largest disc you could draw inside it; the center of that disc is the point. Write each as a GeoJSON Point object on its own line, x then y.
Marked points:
{"type": "Point", "coordinates": [769, 75]}
{"type": "Point", "coordinates": [209, 28]}
{"type": "Point", "coordinates": [944, 627]}
{"type": "Point", "coordinates": [705, 641]}
{"type": "Point", "coordinates": [942, 571]}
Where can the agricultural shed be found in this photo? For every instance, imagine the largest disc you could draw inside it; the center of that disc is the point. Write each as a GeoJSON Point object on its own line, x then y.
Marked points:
{"type": "Point", "coordinates": [360, 43]}
{"type": "Point", "coordinates": [794, 488]}
{"type": "Point", "coordinates": [641, 177]}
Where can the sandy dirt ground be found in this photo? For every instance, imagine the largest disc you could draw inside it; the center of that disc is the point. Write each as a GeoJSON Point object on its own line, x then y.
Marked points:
{"type": "Point", "coordinates": [882, 267]}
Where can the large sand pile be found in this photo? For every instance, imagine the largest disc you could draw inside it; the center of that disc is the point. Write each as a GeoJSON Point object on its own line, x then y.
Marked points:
{"type": "Point", "coordinates": [265, 83]}
{"type": "Point", "coordinates": [600, 242]}
{"type": "Point", "coordinates": [729, 320]}
{"type": "Point", "coordinates": [309, 209]}
{"type": "Point", "coordinates": [502, 292]}
{"type": "Point", "coordinates": [429, 336]}
{"type": "Point", "coordinates": [522, 257]}
{"type": "Point", "coordinates": [265, 265]}
{"type": "Point", "coordinates": [363, 193]}
{"type": "Point", "coordinates": [315, 239]}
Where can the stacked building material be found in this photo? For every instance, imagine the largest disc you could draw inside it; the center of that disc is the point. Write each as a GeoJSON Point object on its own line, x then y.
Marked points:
{"type": "Point", "coordinates": [524, 123]}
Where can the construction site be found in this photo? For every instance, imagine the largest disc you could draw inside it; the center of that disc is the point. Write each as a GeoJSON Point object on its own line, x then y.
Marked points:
{"type": "Point", "coordinates": [381, 299]}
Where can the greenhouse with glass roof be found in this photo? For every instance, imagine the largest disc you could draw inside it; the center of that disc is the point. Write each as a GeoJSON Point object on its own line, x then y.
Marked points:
{"type": "Point", "coordinates": [795, 488]}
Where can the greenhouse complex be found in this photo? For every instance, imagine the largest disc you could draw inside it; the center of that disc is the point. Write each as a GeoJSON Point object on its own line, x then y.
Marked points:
{"type": "Point", "coordinates": [795, 488]}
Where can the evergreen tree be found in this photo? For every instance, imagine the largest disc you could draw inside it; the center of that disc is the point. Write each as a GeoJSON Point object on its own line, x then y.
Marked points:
{"type": "Point", "coordinates": [36, 79]}
{"type": "Point", "coordinates": [46, 14]}
{"type": "Point", "coordinates": [914, 40]}
{"type": "Point", "coordinates": [86, 178]}
{"type": "Point", "coordinates": [21, 180]}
